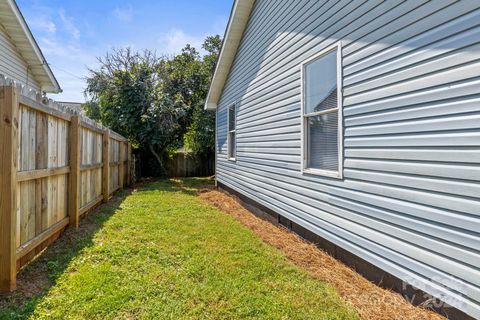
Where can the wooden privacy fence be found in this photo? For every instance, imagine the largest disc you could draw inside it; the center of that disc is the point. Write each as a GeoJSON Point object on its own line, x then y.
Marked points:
{"type": "Point", "coordinates": [184, 165]}
{"type": "Point", "coordinates": [55, 166]}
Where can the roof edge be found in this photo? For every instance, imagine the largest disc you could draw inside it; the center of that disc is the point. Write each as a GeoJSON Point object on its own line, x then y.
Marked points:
{"type": "Point", "coordinates": [54, 87]}
{"type": "Point", "coordinates": [237, 23]}
{"type": "Point", "coordinates": [210, 106]}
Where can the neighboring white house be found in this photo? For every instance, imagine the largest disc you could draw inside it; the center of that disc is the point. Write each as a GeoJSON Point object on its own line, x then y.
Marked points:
{"type": "Point", "coordinates": [358, 122]}
{"type": "Point", "coordinates": [21, 59]}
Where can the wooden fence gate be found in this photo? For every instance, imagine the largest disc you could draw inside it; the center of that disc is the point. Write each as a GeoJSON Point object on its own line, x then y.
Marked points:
{"type": "Point", "coordinates": [55, 166]}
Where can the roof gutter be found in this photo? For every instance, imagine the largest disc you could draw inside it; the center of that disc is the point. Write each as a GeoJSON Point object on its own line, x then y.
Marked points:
{"type": "Point", "coordinates": [236, 26]}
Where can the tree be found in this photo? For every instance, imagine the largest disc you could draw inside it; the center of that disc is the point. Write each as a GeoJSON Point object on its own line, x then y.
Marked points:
{"type": "Point", "coordinates": [200, 135]}
{"type": "Point", "coordinates": [128, 87]}
{"type": "Point", "coordinates": [156, 102]}
{"type": "Point", "coordinates": [92, 110]}
{"type": "Point", "coordinates": [212, 45]}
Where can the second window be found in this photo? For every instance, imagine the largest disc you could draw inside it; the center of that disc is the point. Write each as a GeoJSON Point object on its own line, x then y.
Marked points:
{"type": "Point", "coordinates": [232, 131]}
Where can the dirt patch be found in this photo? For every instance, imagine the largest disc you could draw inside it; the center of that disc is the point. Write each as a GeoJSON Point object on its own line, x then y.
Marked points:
{"type": "Point", "coordinates": [371, 301]}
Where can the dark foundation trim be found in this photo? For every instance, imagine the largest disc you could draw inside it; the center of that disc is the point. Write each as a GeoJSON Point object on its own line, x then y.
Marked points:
{"type": "Point", "coordinates": [363, 267]}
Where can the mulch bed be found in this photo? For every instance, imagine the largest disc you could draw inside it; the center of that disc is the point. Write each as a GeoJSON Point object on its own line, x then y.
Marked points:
{"type": "Point", "coordinates": [370, 301]}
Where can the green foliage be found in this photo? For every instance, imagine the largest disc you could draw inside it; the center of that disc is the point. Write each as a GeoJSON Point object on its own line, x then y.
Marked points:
{"type": "Point", "coordinates": [212, 45]}
{"type": "Point", "coordinates": [129, 88]}
{"type": "Point", "coordinates": [165, 254]}
{"type": "Point", "coordinates": [200, 136]}
{"type": "Point", "coordinates": [92, 110]}
{"type": "Point", "coordinates": [156, 102]}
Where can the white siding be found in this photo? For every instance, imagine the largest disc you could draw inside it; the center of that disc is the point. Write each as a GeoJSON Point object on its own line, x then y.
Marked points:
{"type": "Point", "coordinates": [410, 198]}
{"type": "Point", "coordinates": [12, 64]}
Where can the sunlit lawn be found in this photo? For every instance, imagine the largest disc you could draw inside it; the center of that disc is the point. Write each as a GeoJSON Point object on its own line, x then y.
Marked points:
{"type": "Point", "coordinates": [164, 254]}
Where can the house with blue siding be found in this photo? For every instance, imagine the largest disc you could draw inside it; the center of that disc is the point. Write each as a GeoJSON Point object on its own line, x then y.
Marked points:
{"type": "Point", "coordinates": [357, 124]}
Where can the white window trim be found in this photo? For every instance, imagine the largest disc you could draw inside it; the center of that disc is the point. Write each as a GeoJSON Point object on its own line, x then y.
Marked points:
{"type": "Point", "coordinates": [234, 158]}
{"type": "Point", "coordinates": [304, 146]}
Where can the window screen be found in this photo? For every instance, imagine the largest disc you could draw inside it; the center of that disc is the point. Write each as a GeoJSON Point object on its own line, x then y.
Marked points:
{"type": "Point", "coordinates": [321, 84]}
{"type": "Point", "coordinates": [321, 113]}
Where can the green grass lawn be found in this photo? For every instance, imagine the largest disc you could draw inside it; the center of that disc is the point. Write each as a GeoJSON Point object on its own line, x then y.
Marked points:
{"type": "Point", "coordinates": [163, 254]}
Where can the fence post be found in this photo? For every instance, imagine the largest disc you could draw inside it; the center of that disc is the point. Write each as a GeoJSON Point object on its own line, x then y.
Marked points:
{"type": "Point", "coordinates": [121, 167]}
{"type": "Point", "coordinates": [129, 164]}
{"type": "Point", "coordinates": [74, 179]}
{"type": "Point", "coordinates": [106, 166]}
{"type": "Point", "coordinates": [8, 187]}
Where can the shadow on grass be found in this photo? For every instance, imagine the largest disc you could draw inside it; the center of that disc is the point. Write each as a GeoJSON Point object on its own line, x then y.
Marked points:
{"type": "Point", "coordinates": [35, 279]}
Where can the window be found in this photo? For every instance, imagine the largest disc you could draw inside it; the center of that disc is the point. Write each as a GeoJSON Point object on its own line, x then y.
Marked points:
{"type": "Point", "coordinates": [232, 126]}
{"type": "Point", "coordinates": [322, 114]}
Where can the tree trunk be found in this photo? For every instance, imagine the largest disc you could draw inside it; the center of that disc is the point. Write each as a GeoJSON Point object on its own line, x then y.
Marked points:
{"type": "Point", "coordinates": [159, 159]}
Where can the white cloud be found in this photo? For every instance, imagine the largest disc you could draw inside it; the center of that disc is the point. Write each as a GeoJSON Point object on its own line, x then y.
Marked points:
{"type": "Point", "coordinates": [176, 39]}
{"type": "Point", "coordinates": [69, 25]}
{"type": "Point", "coordinates": [123, 14]}
{"type": "Point", "coordinates": [42, 23]}
{"type": "Point", "coordinates": [69, 62]}
{"type": "Point", "coordinates": [51, 47]}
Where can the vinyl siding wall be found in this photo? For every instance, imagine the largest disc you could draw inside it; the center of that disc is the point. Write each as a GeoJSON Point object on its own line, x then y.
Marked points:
{"type": "Point", "coordinates": [410, 198]}
{"type": "Point", "coordinates": [12, 64]}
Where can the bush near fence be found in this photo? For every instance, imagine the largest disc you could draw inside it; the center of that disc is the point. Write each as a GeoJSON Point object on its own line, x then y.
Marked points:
{"type": "Point", "coordinates": [56, 165]}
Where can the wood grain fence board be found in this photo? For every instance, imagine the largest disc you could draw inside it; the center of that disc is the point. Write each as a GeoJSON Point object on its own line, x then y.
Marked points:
{"type": "Point", "coordinates": [92, 128]}
{"type": "Point", "coordinates": [91, 205]}
{"type": "Point", "coordinates": [62, 157]}
{"type": "Point", "coordinates": [32, 104]}
{"type": "Point", "coordinates": [28, 207]}
{"type": "Point", "coordinates": [24, 150]}
{"type": "Point", "coordinates": [113, 164]}
{"type": "Point", "coordinates": [184, 165]}
{"type": "Point", "coordinates": [44, 203]}
{"type": "Point", "coordinates": [52, 163]}
{"type": "Point", "coordinates": [106, 166]}
{"type": "Point", "coordinates": [115, 136]}
{"type": "Point", "coordinates": [44, 166]}
{"type": "Point", "coordinates": [8, 185]}
{"type": "Point", "coordinates": [87, 145]}
{"type": "Point", "coordinates": [17, 216]}
{"type": "Point", "coordinates": [28, 212]}
{"type": "Point", "coordinates": [121, 166]}
{"type": "Point", "coordinates": [41, 164]}
{"type": "Point", "coordinates": [27, 247]}
{"type": "Point", "coordinates": [41, 173]}
{"type": "Point", "coordinates": [129, 164]}
{"type": "Point", "coordinates": [74, 181]}
{"type": "Point", "coordinates": [93, 166]}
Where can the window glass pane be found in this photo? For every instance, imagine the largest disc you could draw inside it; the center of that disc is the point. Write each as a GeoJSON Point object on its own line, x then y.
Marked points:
{"type": "Point", "coordinates": [231, 145]}
{"type": "Point", "coordinates": [323, 141]}
{"type": "Point", "coordinates": [321, 83]}
{"type": "Point", "coordinates": [231, 118]}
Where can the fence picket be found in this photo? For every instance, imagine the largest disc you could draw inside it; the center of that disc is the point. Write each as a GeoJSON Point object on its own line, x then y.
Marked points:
{"type": "Point", "coordinates": [55, 166]}
{"type": "Point", "coordinates": [8, 186]}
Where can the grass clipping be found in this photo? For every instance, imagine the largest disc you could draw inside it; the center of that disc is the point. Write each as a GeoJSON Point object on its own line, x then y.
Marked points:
{"type": "Point", "coordinates": [370, 301]}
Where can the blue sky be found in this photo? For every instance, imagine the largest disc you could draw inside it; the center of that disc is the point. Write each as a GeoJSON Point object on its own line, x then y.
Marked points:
{"type": "Point", "coordinates": [72, 33]}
